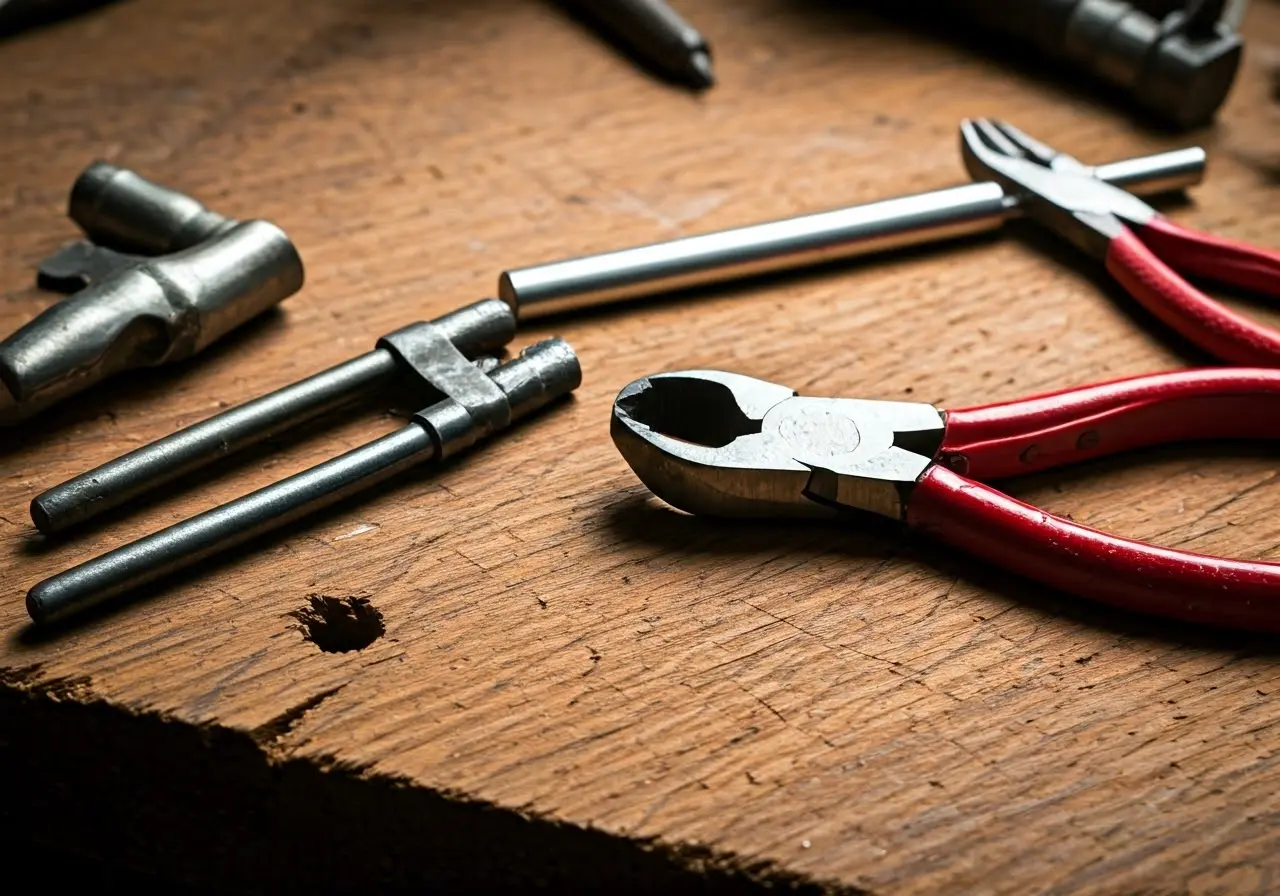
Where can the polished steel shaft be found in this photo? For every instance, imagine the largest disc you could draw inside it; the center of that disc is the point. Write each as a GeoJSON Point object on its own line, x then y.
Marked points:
{"type": "Point", "coordinates": [805, 240]}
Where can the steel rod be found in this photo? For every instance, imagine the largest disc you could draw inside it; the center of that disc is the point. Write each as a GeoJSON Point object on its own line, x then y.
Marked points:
{"type": "Point", "coordinates": [145, 469]}
{"type": "Point", "coordinates": [809, 239]}
{"type": "Point", "coordinates": [213, 531]}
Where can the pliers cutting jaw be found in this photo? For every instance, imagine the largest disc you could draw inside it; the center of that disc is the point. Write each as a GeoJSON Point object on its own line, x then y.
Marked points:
{"type": "Point", "coordinates": [1055, 189]}
{"type": "Point", "coordinates": [723, 444]}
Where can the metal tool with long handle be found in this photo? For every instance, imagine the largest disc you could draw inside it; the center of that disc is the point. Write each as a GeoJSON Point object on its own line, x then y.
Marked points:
{"type": "Point", "coordinates": [710, 442]}
{"type": "Point", "coordinates": [805, 240]}
{"type": "Point", "coordinates": [1143, 250]}
{"type": "Point", "coordinates": [473, 330]}
{"type": "Point", "coordinates": [481, 404]}
{"type": "Point", "coordinates": [655, 34]}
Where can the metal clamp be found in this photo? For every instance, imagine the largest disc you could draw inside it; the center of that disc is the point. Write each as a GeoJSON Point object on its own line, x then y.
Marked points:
{"type": "Point", "coordinates": [428, 352]}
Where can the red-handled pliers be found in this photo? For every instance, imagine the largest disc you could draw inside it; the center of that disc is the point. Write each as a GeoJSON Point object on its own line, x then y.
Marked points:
{"type": "Point", "coordinates": [724, 444]}
{"type": "Point", "coordinates": [1140, 247]}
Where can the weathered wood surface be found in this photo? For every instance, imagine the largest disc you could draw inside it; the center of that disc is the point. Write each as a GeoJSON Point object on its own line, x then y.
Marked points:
{"type": "Point", "coordinates": [723, 703]}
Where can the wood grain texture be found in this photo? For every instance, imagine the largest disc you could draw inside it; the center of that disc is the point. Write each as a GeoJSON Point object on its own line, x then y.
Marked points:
{"type": "Point", "coordinates": [569, 667]}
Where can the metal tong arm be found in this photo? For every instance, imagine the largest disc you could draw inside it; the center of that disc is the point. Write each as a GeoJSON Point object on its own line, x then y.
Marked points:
{"type": "Point", "coordinates": [543, 372]}
{"type": "Point", "coordinates": [419, 349]}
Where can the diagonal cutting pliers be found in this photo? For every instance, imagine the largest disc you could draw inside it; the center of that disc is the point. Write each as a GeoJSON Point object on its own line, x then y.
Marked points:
{"type": "Point", "coordinates": [723, 444]}
{"type": "Point", "coordinates": [1142, 249]}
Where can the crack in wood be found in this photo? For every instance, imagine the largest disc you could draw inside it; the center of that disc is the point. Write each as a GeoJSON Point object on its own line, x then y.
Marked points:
{"type": "Point", "coordinates": [271, 733]}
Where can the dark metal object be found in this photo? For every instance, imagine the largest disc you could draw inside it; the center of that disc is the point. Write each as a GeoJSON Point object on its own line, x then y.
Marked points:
{"type": "Point", "coordinates": [79, 264]}
{"type": "Point", "coordinates": [654, 33]}
{"type": "Point", "coordinates": [640, 271]}
{"type": "Point", "coordinates": [1179, 67]}
{"type": "Point", "coordinates": [433, 354]}
{"type": "Point", "coordinates": [542, 373]}
{"type": "Point", "coordinates": [122, 210]}
{"type": "Point", "coordinates": [125, 217]}
{"type": "Point", "coordinates": [156, 312]}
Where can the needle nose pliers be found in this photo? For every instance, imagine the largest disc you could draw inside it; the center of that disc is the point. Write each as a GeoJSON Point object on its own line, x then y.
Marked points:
{"type": "Point", "coordinates": [723, 444]}
{"type": "Point", "coordinates": [1143, 250]}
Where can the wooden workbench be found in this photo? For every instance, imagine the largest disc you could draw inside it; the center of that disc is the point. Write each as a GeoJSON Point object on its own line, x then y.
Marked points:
{"type": "Point", "coordinates": [575, 685]}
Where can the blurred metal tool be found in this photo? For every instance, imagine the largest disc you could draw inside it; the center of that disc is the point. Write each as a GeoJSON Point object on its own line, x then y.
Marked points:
{"type": "Point", "coordinates": [1233, 14]}
{"type": "Point", "coordinates": [1179, 67]}
{"type": "Point", "coordinates": [806, 240]}
{"type": "Point", "coordinates": [162, 279]}
{"type": "Point", "coordinates": [655, 34]}
{"type": "Point", "coordinates": [478, 404]}
{"type": "Point", "coordinates": [434, 355]}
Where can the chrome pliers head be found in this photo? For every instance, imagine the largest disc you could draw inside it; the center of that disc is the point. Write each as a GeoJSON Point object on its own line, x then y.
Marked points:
{"type": "Point", "coordinates": [723, 444]}
{"type": "Point", "coordinates": [1055, 189]}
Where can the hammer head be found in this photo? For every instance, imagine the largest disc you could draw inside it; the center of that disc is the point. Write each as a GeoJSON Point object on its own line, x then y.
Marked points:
{"type": "Point", "coordinates": [160, 310]}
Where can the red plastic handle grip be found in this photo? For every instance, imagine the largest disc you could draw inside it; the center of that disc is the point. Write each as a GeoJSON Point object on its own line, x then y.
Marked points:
{"type": "Point", "coordinates": [1212, 257]}
{"type": "Point", "coordinates": [1073, 425]}
{"type": "Point", "coordinates": [983, 522]}
{"type": "Point", "coordinates": [1210, 325]}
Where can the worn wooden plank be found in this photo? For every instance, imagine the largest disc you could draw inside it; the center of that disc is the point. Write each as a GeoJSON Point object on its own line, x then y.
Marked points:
{"type": "Point", "coordinates": [749, 699]}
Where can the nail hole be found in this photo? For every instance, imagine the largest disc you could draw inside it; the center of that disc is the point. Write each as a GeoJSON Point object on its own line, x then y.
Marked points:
{"type": "Point", "coordinates": [339, 624]}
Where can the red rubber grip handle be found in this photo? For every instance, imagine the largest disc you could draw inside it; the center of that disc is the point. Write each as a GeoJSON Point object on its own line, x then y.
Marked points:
{"type": "Point", "coordinates": [1209, 324]}
{"type": "Point", "coordinates": [1006, 532]}
{"type": "Point", "coordinates": [1213, 257]}
{"type": "Point", "coordinates": [1072, 425]}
